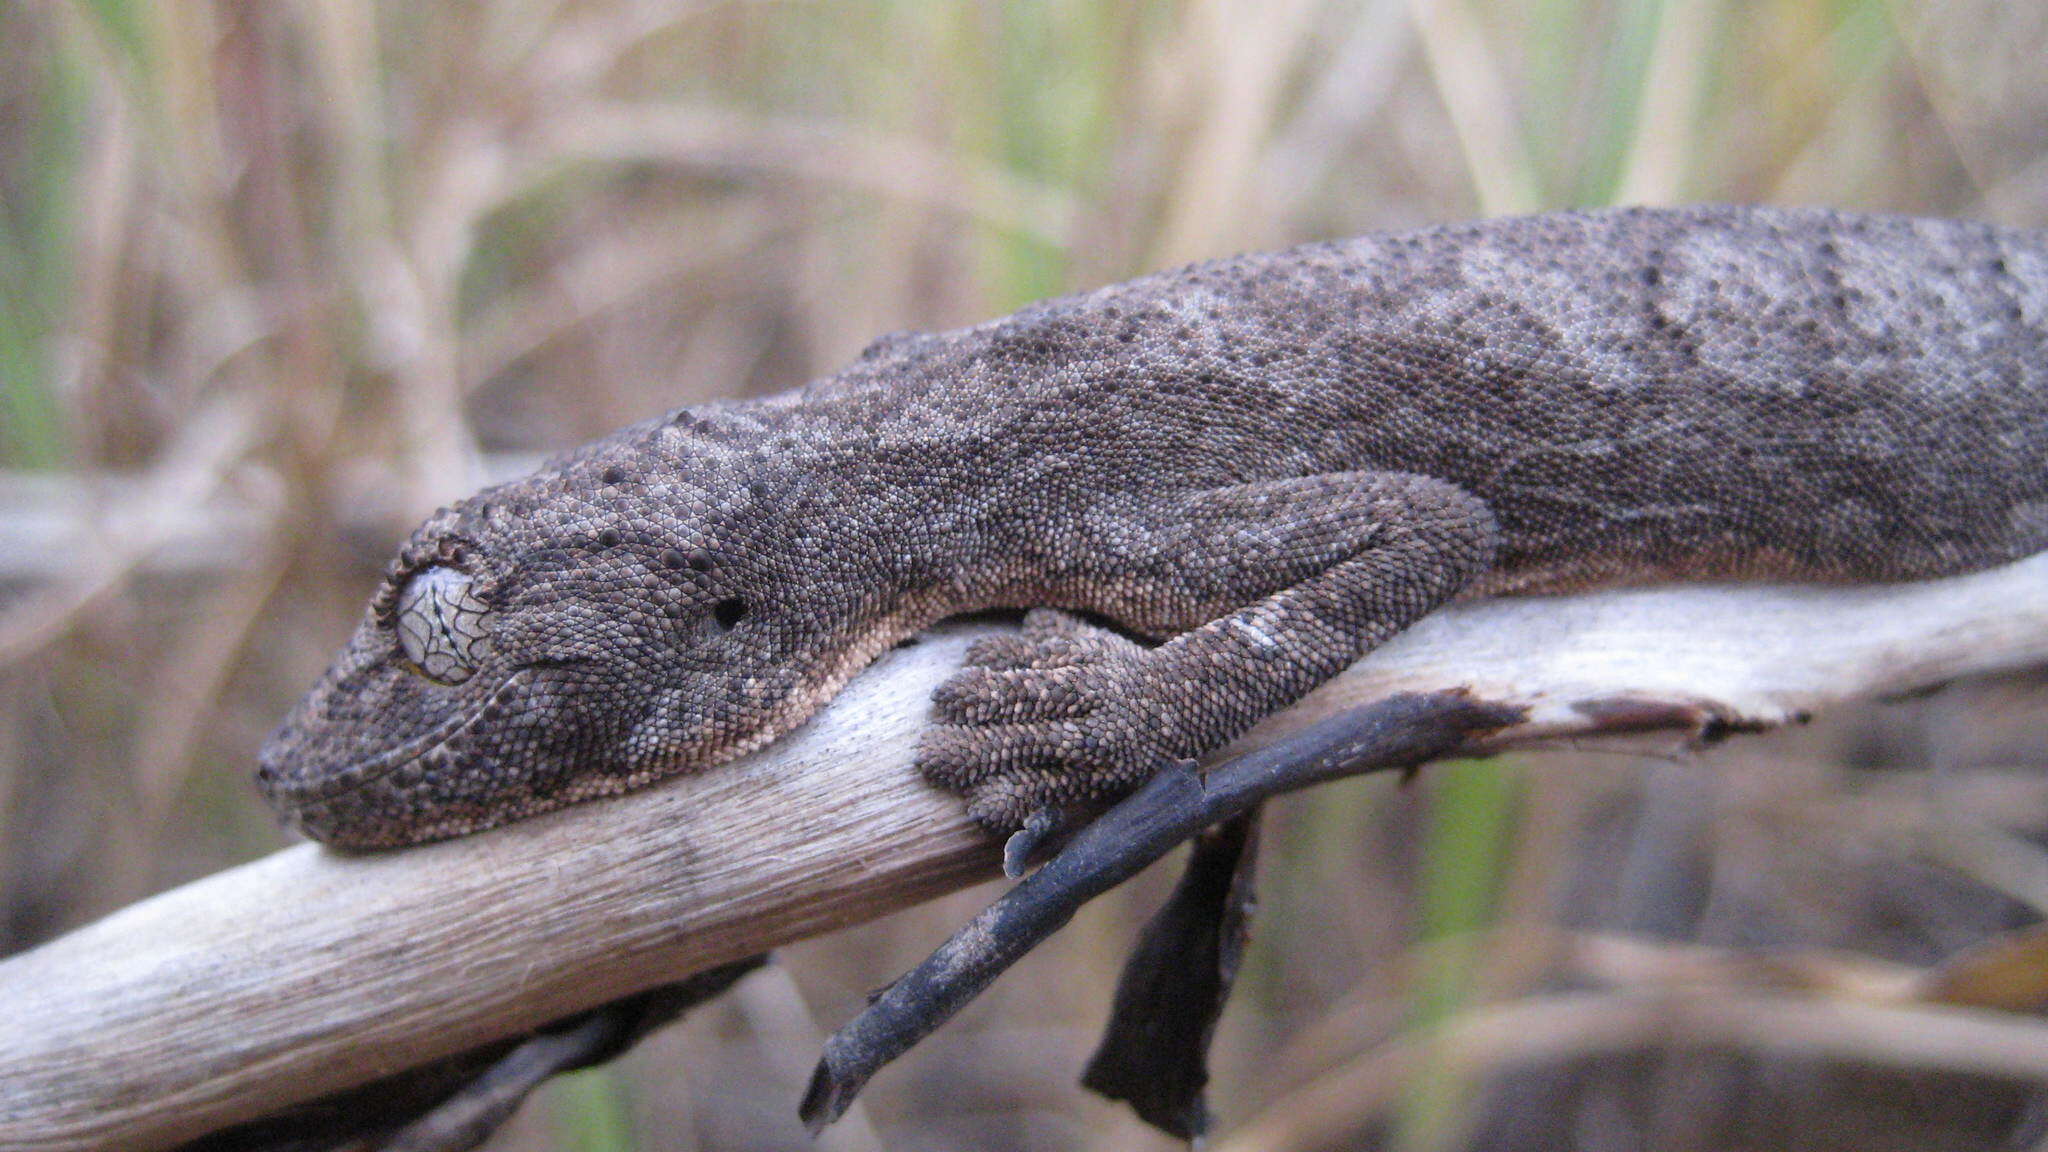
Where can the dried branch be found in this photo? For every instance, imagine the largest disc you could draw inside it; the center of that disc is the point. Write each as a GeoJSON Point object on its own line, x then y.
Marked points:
{"type": "Point", "coordinates": [308, 972]}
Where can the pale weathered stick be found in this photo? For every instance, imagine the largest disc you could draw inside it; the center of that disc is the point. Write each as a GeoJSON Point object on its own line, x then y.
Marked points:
{"type": "Point", "coordinates": [307, 972]}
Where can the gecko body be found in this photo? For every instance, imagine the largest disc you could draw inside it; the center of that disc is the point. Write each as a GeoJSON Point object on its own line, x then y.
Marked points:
{"type": "Point", "coordinates": [1215, 488]}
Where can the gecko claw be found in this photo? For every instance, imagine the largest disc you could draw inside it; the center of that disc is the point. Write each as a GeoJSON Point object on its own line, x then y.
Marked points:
{"type": "Point", "coordinates": [1025, 842]}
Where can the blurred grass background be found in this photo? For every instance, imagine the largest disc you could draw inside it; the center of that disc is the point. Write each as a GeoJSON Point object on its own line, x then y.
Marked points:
{"type": "Point", "coordinates": [279, 276]}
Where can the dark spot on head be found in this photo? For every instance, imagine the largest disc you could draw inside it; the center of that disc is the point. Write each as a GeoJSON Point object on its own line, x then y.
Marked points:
{"type": "Point", "coordinates": [609, 537]}
{"type": "Point", "coordinates": [729, 612]}
{"type": "Point", "coordinates": [612, 475]}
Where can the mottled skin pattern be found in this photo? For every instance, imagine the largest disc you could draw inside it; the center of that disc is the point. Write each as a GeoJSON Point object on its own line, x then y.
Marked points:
{"type": "Point", "coordinates": [1261, 467]}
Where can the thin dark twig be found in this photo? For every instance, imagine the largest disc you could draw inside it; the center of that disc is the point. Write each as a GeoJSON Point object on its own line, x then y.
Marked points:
{"type": "Point", "coordinates": [1400, 732]}
{"type": "Point", "coordinates": [1154, 1053]}
{"type": "Point", "coordinates": [456, 1103]}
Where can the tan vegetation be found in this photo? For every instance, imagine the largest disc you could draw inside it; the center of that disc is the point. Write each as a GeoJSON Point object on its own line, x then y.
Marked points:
{"type": "Point", "coordinates": [277, 276]}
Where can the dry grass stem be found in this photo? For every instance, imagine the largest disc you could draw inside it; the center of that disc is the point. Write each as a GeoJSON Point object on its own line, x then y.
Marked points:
{"type": "Point", "coordinates": [835, 154]}
{"type": "Point", "coordinates": [128, 533]}
{"type": "Point", "coordinates": [1481, 109]}
{"type": "Point", "coordinates": [1664, 143]}
{"type": "Point", "coordinates": [1554, 1029]}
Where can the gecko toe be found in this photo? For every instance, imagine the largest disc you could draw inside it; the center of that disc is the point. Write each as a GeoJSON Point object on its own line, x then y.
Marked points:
{"type": "Point", "coordinates": [965, 757]}
{"type": "Point", "coordinates": [1004, 650]}
{"type": "Point", "coordinates": [1054, 631]}
{"type": "Point", "coordinates": [1013, 695]}
{"type": "Point", "coordinates": [1057, 667]}
{"type": "Point", "coordinates": [1024, 843]}
{"type": "Point", "coordinates": [1050, 638]}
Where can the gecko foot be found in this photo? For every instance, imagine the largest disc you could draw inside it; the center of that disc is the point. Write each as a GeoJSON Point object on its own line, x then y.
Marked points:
{"type": "Point", "coordinates": [1050, 719]}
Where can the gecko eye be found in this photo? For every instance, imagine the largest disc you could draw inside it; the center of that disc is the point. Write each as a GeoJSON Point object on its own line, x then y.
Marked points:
{"type": "Point", "coordinates": [441, 626]}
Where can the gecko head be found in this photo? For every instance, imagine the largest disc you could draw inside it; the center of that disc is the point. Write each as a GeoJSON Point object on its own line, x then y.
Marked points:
{"type": "Point", "coordinates": [563, 637]}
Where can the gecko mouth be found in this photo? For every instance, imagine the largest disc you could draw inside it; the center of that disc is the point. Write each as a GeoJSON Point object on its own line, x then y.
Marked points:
{"type": "Point", "coordinates": [293, 780]}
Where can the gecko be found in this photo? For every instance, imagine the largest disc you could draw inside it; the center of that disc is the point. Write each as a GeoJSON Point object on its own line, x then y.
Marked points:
{"type": "Point", "coordinates": [1212, 489]}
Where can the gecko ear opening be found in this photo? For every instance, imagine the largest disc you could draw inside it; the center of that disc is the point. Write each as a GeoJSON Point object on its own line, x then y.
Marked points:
{"type": "Point", "coordinates": [729, 612]}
